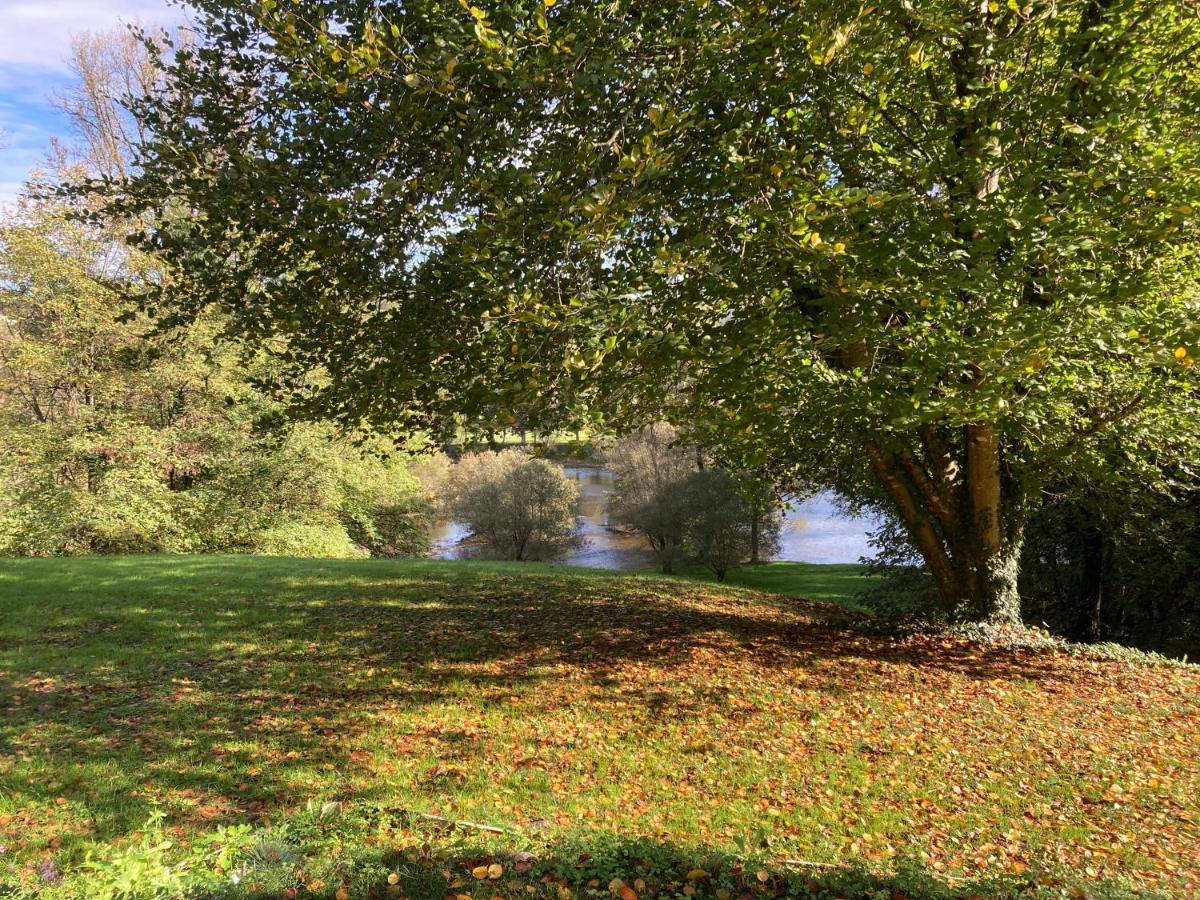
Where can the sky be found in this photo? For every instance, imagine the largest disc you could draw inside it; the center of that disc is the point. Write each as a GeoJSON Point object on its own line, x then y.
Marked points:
{"type": "Point", "coordinates": [34, 41]}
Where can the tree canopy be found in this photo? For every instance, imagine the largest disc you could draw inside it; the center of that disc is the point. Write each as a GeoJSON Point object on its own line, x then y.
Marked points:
{"type": "Point", "coordinates": [941, 246]}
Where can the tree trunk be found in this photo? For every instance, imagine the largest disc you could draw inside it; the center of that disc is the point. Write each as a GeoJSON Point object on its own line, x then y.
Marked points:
{"type": "Point", "coordinates": [993, 596]}
{"type": "Point", "coordinates": [754, 520]}
{"type": "Point", "coordinates": [966, 529]}
{"type": "Point", "coordinates": [997, 549]}
{"type": "Point", "coordinates": [1091, 587]}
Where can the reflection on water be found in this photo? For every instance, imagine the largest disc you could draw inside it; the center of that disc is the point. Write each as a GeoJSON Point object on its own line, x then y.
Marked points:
{"type": "Point", "coordinates": [813, 531]}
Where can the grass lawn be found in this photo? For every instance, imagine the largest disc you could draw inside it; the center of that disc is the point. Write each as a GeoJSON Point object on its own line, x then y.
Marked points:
{"type": "Point", "coordinates": [836, 583]}
{"type": "Point", "coordinates": [272, 727]}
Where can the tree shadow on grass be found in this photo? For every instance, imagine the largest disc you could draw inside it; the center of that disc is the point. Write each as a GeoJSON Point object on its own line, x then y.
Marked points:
{"type": "Point", "coordinates": [154, 677]}
{"type": "Point", "coordinates": [625, 868]}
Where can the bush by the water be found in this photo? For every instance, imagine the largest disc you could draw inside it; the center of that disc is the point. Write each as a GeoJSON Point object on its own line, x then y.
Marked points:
{"type": "Point", "coordinates": [687, 511]}
{"type": "Point", "coordinates": [647, 465]}
{"type": "Point", "coordinates": [722, 529]}
{"type": "Point", "coordinates": [516, 506]}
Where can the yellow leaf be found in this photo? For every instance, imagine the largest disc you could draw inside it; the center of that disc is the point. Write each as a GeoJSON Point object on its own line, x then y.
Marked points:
{"type": "Point", "coordinates": [814, 238]}
{"type": "Point", "coordinates": [763, 875]}
{"type": "Point", "coordinates": [393, 878]}
{"type": "Point", "coordinates": [868, 68]}
{"type": "Point", "coordinates": [777, 170]}
{"type": "Point", "coordinates": [494, 871]}
{"type": "Point", "coordinates": [1181, 352]}
{"type": "Point", "coordinates": [480, 872]}
{"type": "Point", "coordinates": [342, 894]}
{"type": "Point", "coordinates": [696, 875]}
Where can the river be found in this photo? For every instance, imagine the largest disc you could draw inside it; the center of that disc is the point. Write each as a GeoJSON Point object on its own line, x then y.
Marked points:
{"type": "Point", "coordinates": [814, 531]}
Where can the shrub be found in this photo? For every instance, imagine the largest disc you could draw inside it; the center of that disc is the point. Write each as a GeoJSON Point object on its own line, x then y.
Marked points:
{"type": "Point", "coordinates": [516, 507]}
{"type": "Point", "coordinates": [306, 539]}
{"type": "Point", "coordinates": [719, 523]}
{"type": "Point", "coordinates": [72, 493]}
{"type": "Point", "coordinates": [120, 442]}
{"type": "Point", "coordinates": [648, 468]}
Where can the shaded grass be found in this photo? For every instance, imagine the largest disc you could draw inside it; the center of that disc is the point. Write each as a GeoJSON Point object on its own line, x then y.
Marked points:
{"type": "Point", "coordinates": [576, 707]}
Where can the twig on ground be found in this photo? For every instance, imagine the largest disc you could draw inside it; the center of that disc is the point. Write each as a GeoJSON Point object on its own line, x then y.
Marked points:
{"type": "Point", "coordinates": [459, 823]}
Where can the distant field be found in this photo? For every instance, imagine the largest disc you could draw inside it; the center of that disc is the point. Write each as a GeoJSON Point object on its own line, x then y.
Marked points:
{"type": "Point", "coordinates": [237, 726]}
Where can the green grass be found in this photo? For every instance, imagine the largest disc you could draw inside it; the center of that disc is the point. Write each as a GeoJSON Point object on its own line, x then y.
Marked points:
{"type": "Point", "coordinates": [184, 721]}
{"type": "Point", "coordinates": [836, 583]}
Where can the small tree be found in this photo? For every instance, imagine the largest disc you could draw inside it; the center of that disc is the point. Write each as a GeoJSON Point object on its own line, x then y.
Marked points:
{"type": "Point", "coordinates": [649, 466]}
{"type": "Point", "coordinates": [719, 521]}
{"type": "Point", "coordinates": [662, 519]}
{"type": "Point", "coordinates": [763, 509]}
{"type": "Point", "coordinates": [516, 506]}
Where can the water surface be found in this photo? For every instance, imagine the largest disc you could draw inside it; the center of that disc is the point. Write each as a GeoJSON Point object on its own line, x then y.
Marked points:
{"type": "Point", "coordinates": [815, 531]}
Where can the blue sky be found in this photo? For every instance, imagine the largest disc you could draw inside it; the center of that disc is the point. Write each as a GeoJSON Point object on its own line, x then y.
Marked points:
{"type": "Point", "coordinates": [34, 39]}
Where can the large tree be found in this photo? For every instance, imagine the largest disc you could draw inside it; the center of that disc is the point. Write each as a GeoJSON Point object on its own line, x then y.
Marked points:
{"type": "Point", "coordinates": [943, 245]}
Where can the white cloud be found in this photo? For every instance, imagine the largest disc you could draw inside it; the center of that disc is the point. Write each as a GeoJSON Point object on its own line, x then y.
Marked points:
{"type": "Point", "coordinates": [38, 34]}
{"type": "Point", "coordinates": [35, 39]}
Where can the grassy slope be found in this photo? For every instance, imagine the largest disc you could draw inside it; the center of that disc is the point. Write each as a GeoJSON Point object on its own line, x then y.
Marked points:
{"type": "Point", "coordinates": [592, 708]}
